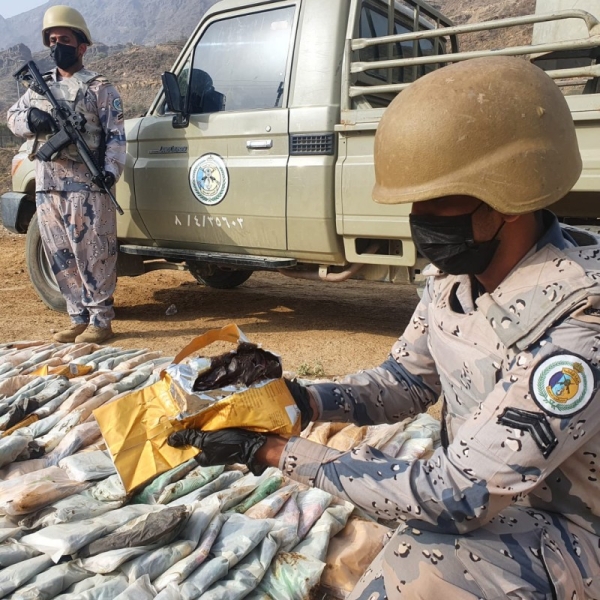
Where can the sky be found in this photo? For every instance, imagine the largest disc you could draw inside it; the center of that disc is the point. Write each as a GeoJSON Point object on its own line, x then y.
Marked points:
{"type": "Point", "coordinates": [10, 8]}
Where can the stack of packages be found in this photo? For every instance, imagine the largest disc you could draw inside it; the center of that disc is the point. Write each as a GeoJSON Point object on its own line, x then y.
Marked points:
{"type": "Point", "coordinates": [72, 526]}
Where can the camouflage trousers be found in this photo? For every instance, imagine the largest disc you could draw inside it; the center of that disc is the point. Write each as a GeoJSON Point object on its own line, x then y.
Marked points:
{"type": "Point", "coordinates": [523, 553]}
{"type": "Point", "coordinates": [78, 231]}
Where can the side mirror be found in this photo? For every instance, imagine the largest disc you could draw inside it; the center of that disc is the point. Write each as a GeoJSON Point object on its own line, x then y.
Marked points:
{"type": "Point", "coordinates": [175, 101]}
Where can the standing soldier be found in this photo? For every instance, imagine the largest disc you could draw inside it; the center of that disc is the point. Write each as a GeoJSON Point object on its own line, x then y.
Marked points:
{"type": "Point", "coordinates": [507, 333]}
{"type": "Point", "coordinates": [77, 220]}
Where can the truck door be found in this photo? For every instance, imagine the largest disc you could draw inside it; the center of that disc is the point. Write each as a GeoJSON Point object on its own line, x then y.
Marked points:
{"type": "Point", "coordinates": [221, 181]}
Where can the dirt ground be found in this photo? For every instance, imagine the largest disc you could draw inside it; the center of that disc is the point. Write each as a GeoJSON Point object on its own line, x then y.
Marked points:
{"type": "Point", "coordinates": [317, 328]}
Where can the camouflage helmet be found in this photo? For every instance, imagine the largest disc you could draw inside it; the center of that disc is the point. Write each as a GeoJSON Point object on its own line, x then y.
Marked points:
{"type": "Point", "coordinates": [497, 129]}
{"type": "Point", "coordinates": [64, 16]}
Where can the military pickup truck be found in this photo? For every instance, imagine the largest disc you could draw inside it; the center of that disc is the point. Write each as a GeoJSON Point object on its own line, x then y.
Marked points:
{"type": "Point", "coordinates": [258, 152]}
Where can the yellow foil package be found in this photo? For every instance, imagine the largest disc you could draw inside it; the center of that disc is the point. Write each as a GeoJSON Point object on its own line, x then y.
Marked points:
{"type": "Point", "coordinates": [136, 426]}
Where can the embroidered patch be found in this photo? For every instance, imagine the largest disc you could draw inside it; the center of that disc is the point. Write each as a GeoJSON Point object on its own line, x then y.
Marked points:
{"type": "Point", "coordinates": [118, 105]}
{"type": "Point", "coordinates": [536, 424]}
{"type": "Point", "coordinates": [562, 384]}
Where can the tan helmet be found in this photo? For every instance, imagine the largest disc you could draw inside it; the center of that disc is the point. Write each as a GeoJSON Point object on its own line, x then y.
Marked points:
{"type": "Point", "coordinates": [64, 16]}
{"type": "Point", "coordinates": [497, 129]}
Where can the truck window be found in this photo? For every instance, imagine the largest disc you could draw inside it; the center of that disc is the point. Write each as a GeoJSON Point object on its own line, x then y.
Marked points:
{"type": "Point", "coordinates": [240, 63]}
{"type": "Point", "coordinates": [374, 22]}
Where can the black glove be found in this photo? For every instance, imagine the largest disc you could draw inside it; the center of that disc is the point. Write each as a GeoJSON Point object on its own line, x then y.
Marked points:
{"type": "Point", "coordinates": [40, 121]}
{"type": "Point", "coordinates": [223, 447]}
{"type": "Point", "coordinates": [302, 400]}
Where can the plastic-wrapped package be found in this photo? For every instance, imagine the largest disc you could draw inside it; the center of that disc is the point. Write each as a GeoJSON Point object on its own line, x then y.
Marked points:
{"type": "Point", "coordinates": [156, 527]}
{"type": "Point", "coordinates": [83, 394]}
{"type": "Point", "coordinates": [184, 568]}
{"type": "Point", "coordinates": [11, 447]}
{"type": "Point", "coordinates": [12, 385]}
{"type": "Point", "coordinates": [142, 589]}
{"type": "Point", "coordinates": [194, 480]}
{"type": "Point", "coordinates": [13, 552]}
{"type": "Point", "coordinates": [414, 449]}
{"type": "Point", "coordinates": [271, 505]}
{"type": "Point", "coordinates": [425, 426]}
{"type": "Point", "coordinates": [291, 576]}
{"type": "Point", "coordinates": [51, 582]}
{"type": "Point", "coordinates": [265, 488]}
{"type": "Point", "coordinates": [109, 561]}
{"type": "Point", "coordinates": [73, 508]}
{"type": "Point", "coordinates": [312, 503]}
{"type": "Point", "coordinates": [288, 519]}
{"type": "Point", "coordinates": [350, 553]}
{"type": "Point", "coordinates": [239, 536]}
{"type": "Point", "coordinates": [247, 574]}
{"type": "Point", "coordinates": [200, 580]}
{"type": "Point", "coordinates": [320, 433]}
{"type": "Point", "coordinates": [136, 361]}
{"type": "Point", "coordinates": [258, 595]}
{"type": "Point", "coordinates": [44, 425]}
{"type": "Point", "coordinates": [68, 538]}
{"type": "Point", "coordinates": [331, 522]}
{"type": "Point", "coordinates": [16, 575]}
{"type": "Point", "coordinates": [169, 593]}
{"type": "Point", "coordinates": [151, 493]}
{"type": "Point", "coordinates": [347, 438]}
{"type": "Point", "coordinates": [379, 435]}
{"type": "Point", "coordinates": [88, 466]}
{"type": "Point", "coordinates": [393, 446]}
{"type": "Point", "coordinates": [221, 482]}
{"type": "Point", "coordinates": [79, 437]}
{"type": "Point", "coordinates": [52, 438]}
{"type": "Point", "coordinates": [201, 517]}
{"type": "Point", "coordinates": [156, 562]}
{"type": "Point", "coordinates": [36, 490]}
{"type": "Point", "coordinates": [114, 584]}
{"type": "Point", "coordinates": [11, 532]}
{"type": "Point", "coordinates": [108, 490]}
{"type": "Point", "coordinates": [231, 496]}
{"type": "Point", "coordinates": [135, 379]}
{"type": "Point", "coordinates": [22, 466]}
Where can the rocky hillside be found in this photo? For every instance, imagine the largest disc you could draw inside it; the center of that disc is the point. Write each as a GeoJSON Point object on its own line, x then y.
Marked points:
{"type": "Point", "coordinates": [461, 11]}
{"type": "Point", "coordinates": [136, 69]}
{"type": "Point", "coordinates": [113, 21]}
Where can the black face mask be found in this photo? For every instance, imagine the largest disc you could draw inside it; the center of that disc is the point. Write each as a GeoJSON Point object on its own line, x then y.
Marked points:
{"type": "Point", "coordinates": [63, 55]}
{"type": "Point", "coordinates": [448, 243]}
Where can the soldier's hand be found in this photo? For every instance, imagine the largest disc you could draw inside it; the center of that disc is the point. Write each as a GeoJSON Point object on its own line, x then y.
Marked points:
{"type": "Point", "coordinates": [223, 447]}
{"type": "Point", "coordinates": [40, 121]}
{"type": "Point", "coordinates": [301, 397]}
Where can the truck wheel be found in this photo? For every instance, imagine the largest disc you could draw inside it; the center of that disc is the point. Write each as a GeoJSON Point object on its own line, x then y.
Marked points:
{"type": "Point", "coordinates": [221, 279]}
{"type": "Point", "coordinates": [39, 269]}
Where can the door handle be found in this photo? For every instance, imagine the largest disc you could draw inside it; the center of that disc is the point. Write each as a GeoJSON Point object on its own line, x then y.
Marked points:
{"type": "Point", "coordinates": [259, 144]}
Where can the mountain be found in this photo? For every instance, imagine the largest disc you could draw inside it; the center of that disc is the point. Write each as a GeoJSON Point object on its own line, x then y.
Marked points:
{"type": "Point", "coordinates": [146, 22]}
{"type": "Point", "coordinates": [136, 69]}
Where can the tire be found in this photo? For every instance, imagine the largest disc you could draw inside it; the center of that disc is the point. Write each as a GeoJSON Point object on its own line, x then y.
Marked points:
{"type": "Point", "coordinates": [40, 272]}
{"type": "Point", "coordinates": [215, 277]}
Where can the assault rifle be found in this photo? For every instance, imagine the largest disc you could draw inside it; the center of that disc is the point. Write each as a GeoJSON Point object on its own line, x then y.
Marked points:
{"type": "Point", "coordinates": [70, 126]}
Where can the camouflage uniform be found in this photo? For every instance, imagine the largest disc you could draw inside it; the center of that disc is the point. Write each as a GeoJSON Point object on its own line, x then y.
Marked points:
{"type": "Point", "coordinates": [78, 222]}
{"type": "Point", "coordinates": [509, 506]}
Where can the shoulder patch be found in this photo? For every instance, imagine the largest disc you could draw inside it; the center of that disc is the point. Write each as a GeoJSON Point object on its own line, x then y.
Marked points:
{"type": "Point", "coordinates": [118, 105]}
{"type": "Point", "coordinates": [562, 384]}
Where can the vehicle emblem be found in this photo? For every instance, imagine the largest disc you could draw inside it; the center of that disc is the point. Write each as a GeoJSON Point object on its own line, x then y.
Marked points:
{"type": "Point", "coordinates": [209, 179]}
{"type": "Point", "coordinates": [562, 384]}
